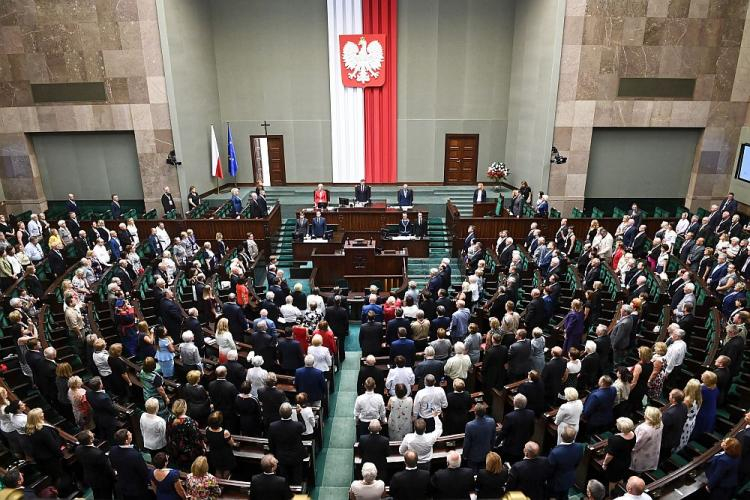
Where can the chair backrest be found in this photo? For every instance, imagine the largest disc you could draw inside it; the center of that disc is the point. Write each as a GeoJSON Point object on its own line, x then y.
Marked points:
{"type": "Point", "coordinates": [576, 213]}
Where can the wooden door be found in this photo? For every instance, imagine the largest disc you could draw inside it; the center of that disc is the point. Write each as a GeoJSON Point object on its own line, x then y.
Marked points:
{"type": "Point", "coordinates": [461, 158]}
{"type": "Point", "coordinates": [276, 168]}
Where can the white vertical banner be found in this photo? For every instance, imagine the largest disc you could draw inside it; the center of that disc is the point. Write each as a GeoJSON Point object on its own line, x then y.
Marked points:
{"type": "Point", "coordinates": [347, 103]}
{"type": "Point", "coordinates": [264, 161]}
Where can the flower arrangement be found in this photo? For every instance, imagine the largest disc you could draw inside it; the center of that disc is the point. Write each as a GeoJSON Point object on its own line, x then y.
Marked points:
{"type": "Point", "coordinates": [497, 171]}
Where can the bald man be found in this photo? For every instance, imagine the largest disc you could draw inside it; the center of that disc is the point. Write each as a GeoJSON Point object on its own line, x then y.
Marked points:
{"type": "Point", "coordinates": [530, 474]}
{"type": "Point", "coordinates": [635, 488]}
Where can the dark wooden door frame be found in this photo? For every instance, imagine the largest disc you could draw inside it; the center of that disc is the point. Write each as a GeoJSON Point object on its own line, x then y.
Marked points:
{"type": "Point", "coordinates": [283, 155]}
{"type": "Point", "coordinates": [476, 155]}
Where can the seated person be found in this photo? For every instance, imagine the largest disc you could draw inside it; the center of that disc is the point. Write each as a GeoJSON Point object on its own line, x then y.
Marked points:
{"type": "Point", "coordinates": [320, 197]}
{"type": "Point", "coordinates": [362, 192]}
{"type": "Point", "coordinates": [319, 226]}
{"type": "Point", "coordinates": [405, 227]}
{"type": "Point", "coordinates": [405, 196]}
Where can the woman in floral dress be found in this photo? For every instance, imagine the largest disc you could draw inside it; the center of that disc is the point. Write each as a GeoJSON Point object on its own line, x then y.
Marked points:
{"type": "Point", "coordinates": [693, 400]}
{"type": "Point", "coordinates": [185, 442]}
{"type": "Point", "coordinates": [659, 373]}
{"type": "Point", "coordinates": [200, 484]}
{"type": "Point", "coordinates": [645, 454]}
{"type": "Point", "coordinates": [399, 421]}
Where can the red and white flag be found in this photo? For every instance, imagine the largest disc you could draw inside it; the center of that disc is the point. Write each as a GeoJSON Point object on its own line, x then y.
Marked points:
{"type": "Point", "coordinates": [215, 158]}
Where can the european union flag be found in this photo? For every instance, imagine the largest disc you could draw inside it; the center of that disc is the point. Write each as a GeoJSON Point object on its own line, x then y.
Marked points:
{"type": "Point", "coordinates": [231, 154]}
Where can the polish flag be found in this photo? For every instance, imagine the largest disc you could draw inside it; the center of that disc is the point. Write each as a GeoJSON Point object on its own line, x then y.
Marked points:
{"type": "Point", "coordinates": [215, 158]}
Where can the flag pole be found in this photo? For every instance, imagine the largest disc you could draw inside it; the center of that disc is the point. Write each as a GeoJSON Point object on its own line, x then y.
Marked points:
{"type": "Point", "coordinates": [235, 175]}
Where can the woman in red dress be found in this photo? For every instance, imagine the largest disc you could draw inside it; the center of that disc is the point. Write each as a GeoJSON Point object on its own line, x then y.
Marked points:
{"type": "Point", "coordinates": [320, 197]}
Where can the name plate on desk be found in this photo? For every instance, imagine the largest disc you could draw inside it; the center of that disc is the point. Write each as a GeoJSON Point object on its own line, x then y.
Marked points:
{"type": "Point", "coordinates": [403, 238]}
{"type": "Point", "coordinates": [315, 240]}
{"type": "Point", "coordinates": [404, 208]}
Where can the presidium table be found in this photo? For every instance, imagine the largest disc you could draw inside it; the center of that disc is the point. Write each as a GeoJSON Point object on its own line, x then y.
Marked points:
{"type": "Point", "coordinates": [359, 252]}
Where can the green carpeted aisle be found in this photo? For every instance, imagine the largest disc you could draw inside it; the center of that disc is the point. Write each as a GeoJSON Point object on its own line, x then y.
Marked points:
{"type": "Point", "coordinates": [334, 470]}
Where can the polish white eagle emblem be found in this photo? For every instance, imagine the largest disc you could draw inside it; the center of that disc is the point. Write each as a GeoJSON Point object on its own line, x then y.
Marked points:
{"type": "Point", "coordinates": [362, 61]}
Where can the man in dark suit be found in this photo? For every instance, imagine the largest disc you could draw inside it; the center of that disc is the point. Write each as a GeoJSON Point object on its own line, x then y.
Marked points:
{"type": "Point", "coordinates": [392, 327]}
{"type": "Point", "coordinates": [192, 324]}
{"type": "Point", "coordinates": [310, 380]}
{"type": "Point", "coordinates": [591, 366]}
{"type": "Point", "coordinates": [429, 366]}
{"type": "Point", "coordinates": [97, 472]}
{"type": "Point", "coordinates": [56, 261]}
{"type": "Point", "coordinates": [132, 473]}
{"type": "Point", "coordinates": [723, 377]}
{"type": "Point", "coordinates": [271, 398]}
{"type": "Point", "coordinates": [672, 421]}
{"type": "Point", "coordinates": [480, 194]}
{"type": "Point", "coordinates": [236, 373]}
{"type": "Point", "coordinates": [403, 347]}
{"type": "Point", "coordinates": [455, 482]}
{"type": "Point", "coordinates": [373, 448]}
{"type": "Point", "coordinates": [105, 414]}
{"type": "Point", "coordinates": [233, 312]}
{"type": "Point", "coordinates": [170, 314]}
{"type": "Point", "coordinates": [636, 214]}
{"type": "Point", "coordinates": [319, 225]}
{"type": "Point", "coordinates": [518, 427]}
{"type": "Point", "coordinates": [254, 210]}
{"type": "Point", "coordinates": [733, 347]}
{"type": "Point", "coordinates": [301, 227]}
{"type": "Point", "coordinates": [411, 483]}
{"type": "Point", "coordinates": [405, 196]}
{"type": "Point", "coordinates": [534, 314]}
{"type": "Point", "coordinates": [285, 443]}
{"type": "Point", "coordinates": [44, 375]}
{"type": "Point", "coordinates": [126, 275]}
{"type": "Point", "coordinates": [563, 460]}
{"type": "Point", "coordinates": [223, 394]}
{"type": "Point", "coordinates": [552, 376]}
{"type": "Point", "coordinates": [620, 335]}
{"type": "Point", "coordinates": [420, 226]}
{"type": "Point", "coordinates": [718, 272]}
{"type": "Point", "coordinates": [362, 192]}
{"type": "Point", "coordinates": [337, 317]}
{"type": "Point", "coordinates": [449, 307]}
{"type": "Point", "coordinates": [71, 206]}
{"type": "Point", "coordinates": [371, 336]}
{"type": "Point", "coordinates": [629, 235]}
{"type": "Point", "coordinates": [268, 485]}
{"type": "Point", "coordinates": [519, 357]}
{"type": "Point", "coordinates": [290, 353]}
{"type": "Point", "coordinates": [115, 207]}
{"type": "Point", "coordinates": [493, 366]}
{"type": "Point", "coordinates": [530, 474]}
{"type": "Point", "coordinates": [479, 438]}
{"type": "Point", "coordinates": [405, 227]}
{"type": "Point", "coordinates": [597, 409]}
{"type": "Point", "coordinates": [167, 201]}
{"type": "Point", "coordinates": [592, 274]}
{"type": "Point", "coordinates": [367, 370]}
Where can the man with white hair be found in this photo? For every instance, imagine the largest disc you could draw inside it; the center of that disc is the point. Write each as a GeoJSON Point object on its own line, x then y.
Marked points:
{"type": "Point", "coordinates": [676, 350]}
{"type": "Point", "coordinates": [310, 380]}
{"type": "Point", "coordinates": [590, 366]}
{"type": "Point", "coordinates": [459, 322]}
{"type": "Point", "coordinates": [455, 481]}
{"type": "Point", "coordinates": [163, 236]}
{"type": "Point", "coordinates": [256, 375]}
{"type": "Point", "coordinates": [289, 312]}
{"type": "Point", "coordinates": [459, 364]}
{"type": "Point", "coordinates": [530, 474]}
{"type": "Point", "coordinates": [640, 287]}
{"type": "Point", "coordinates": [44, 374]}
{"type": "Point", "coordinates": [635, 490]}
{"type": "Point", "coordinates": [189, 354]}
{"type": "Point", "coordinates": [372, 305]}
{"type": "Point", "coordinates": [265, 319]}
{"type": "Point", "coordinates": [268, 484]}
{"type": "Point", "coordinates": [518, 427]}
{"type": "Point", "coordinates": [236, 373]}
{"type": "Point", "coordinates": [429, 366]}
{"type": "Point", "coordinates": [620, 335]}
{"type": "Point", "coordinates": [285, 442]}
{"type": "Point", "coordinates": [427, 400]}
{"type": "Point", "coordinates": [687, 298]}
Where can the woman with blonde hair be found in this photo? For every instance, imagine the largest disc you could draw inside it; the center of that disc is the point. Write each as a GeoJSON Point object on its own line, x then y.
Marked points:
{"type": "Point", "coordinates": [509, 323]}
{"type": "Point", "coordinates": [200, 484]}
{"type": "Point", "coordinates": [184, 439]}
{"type": "Point", "coordinates": [616, 463]}
{"type": "Point", "coordinates": [322, 355]}
{"type": "Point", "coordinates": [45, 444]}
{"type": "Point", "coordinates": [659, 373]}
{"type": "Point", "coordinates": [693, 400]}
{"type": "Point", "coordinates": [80, 403]}
{"type": "Point", "coordinates": [645, 455]}
{"type": "Point", "coordinates": [641, 373]}
{"type": "Point", "coordinates": [369, 487]}
{"type": "Point", "coordinates": [706, 418]}
{"type": "Point", "coordinates": [538, 345]}
{"type": "Point", "coordinates": [494, 328]}
{"type": "Point", "coordinates": [145, 344]}
{"type": "Point", "coordinates": [224, 340]}
{"type": "Point", "coordinates": [569, 413]}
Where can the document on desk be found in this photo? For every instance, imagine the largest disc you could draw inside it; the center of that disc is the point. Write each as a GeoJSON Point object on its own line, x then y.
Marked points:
{"type": "Point", "coordinates": [404, 208]}
{"type": "Point", "coordinates": [316, 240]}
{"type": "Point", "coordinates": [402, 238]}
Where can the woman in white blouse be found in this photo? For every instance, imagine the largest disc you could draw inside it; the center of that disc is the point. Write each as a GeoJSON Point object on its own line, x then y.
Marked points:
{"type": "Point", "coordinates": [322, 355]}
{"type": "Point", "coordinates": [683, 224]}
{"type": "Point", "coordinates": [399, 374]}
{"type": "Point", "coordinates": [569, 413]}
{"type": "Point", "coordinates": [153, 427]}
{"type": "Point", "coordinates": [224, 339]}
{"type": "Point", "coordinates": [133, 230]}
{"type": "Point", "coordinates": [256, 375]}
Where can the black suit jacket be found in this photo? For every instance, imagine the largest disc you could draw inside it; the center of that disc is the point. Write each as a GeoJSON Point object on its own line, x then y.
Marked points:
{"type": "Point", "coordinates": [420, 228]}
{"type": "Point", "coordinates": [338, 319]}
{"type": "Point", "coordinates": [132, 472]}
{"type": "Point", "coordinates": [167, 202]}
{"type": "Point", "coordinates": [371, 338]}
{"type": "Point", "coordinates": [733, 348]}
{"type": "Point", "coordinates": [269, 487]}
{"type": "Point", "coordinates": [376, 373]}
{"type": "Point", "coordinates": [171, 317]}
{"type": "Point", "coordinates": [552, 378]}
{"type": "Point", "coordinates": [744, 437]}
{"type": "Point", "coordinates": [518, 427]}
{"type": "Point", "coordinates": [672, 421]}
{"type": "Point", "coordinates": [105, 414]}
{"type": "Point", "coordinates": [534, 315]}
{"type": "Point", "coordinates": [534, 392]}
{"type": "Point", "coordinates": [223, 394]}
{"type": "Point", "coordinates": [410, 485]}
{"type": "Point", "coordinates": [482, 197]}
{"type": "Point", "coordinates": [45, 377]}
{"type": "Point", "coordinates": [56, 263]}
{"type": "Point", "coordinates": [362, 195]}
{"type": "Point", "coordinates": [285, 441]}
{"type": "Point", "coordinates": [453, 484]}
{"type": "Point", "coordinates": [235, 373]}
{"type": "Point", "coordinates": [529, 476]}
{"type": "Point", "coordinates": [97, 472]}
{"type": "Point", "coordinates": [374, 448]}
{"type": "Point", "coordinates": [237, 320]}
{"type": "Point", "coordinates": [519, 357]}
{"type": "Point", "coordinates": [271, 400]}
{"type": "Point", "coordinates": [493, 367]}
{"type": "Point", "coordinates": [290, 354]}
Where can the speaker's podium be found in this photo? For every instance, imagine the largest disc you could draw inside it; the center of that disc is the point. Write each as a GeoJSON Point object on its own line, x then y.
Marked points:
{"type": "Point", "coordinates": [360, 263]}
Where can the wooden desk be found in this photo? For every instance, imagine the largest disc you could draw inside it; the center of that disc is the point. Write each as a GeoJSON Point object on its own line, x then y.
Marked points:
{"type": "Point", "coordinates": [365, 219]}
{"type": "Point", "coordinates": [354, 261]}
{"type": "Point", "coordinates": [416, 248]}
{"type": "Point", "coordinates": [303, 250]}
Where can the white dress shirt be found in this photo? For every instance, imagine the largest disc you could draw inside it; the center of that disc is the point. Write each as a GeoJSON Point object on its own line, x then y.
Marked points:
{"type": "Point", "coordinates": [154, 431]}
{"type": "Point", "coordinates": [422, 444]}
{"type": "Point", "coordinates": [369, 406]}
{"type": "Point", "coordinates": [675, 355]}
{"type": "Point", "coordinates": [429, 399]}
{"type": "Point", "coordinates": [403, 375]}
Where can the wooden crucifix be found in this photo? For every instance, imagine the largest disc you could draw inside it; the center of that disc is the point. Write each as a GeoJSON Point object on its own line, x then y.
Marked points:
{"type": "Point", "coordinates": [265, 126]}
